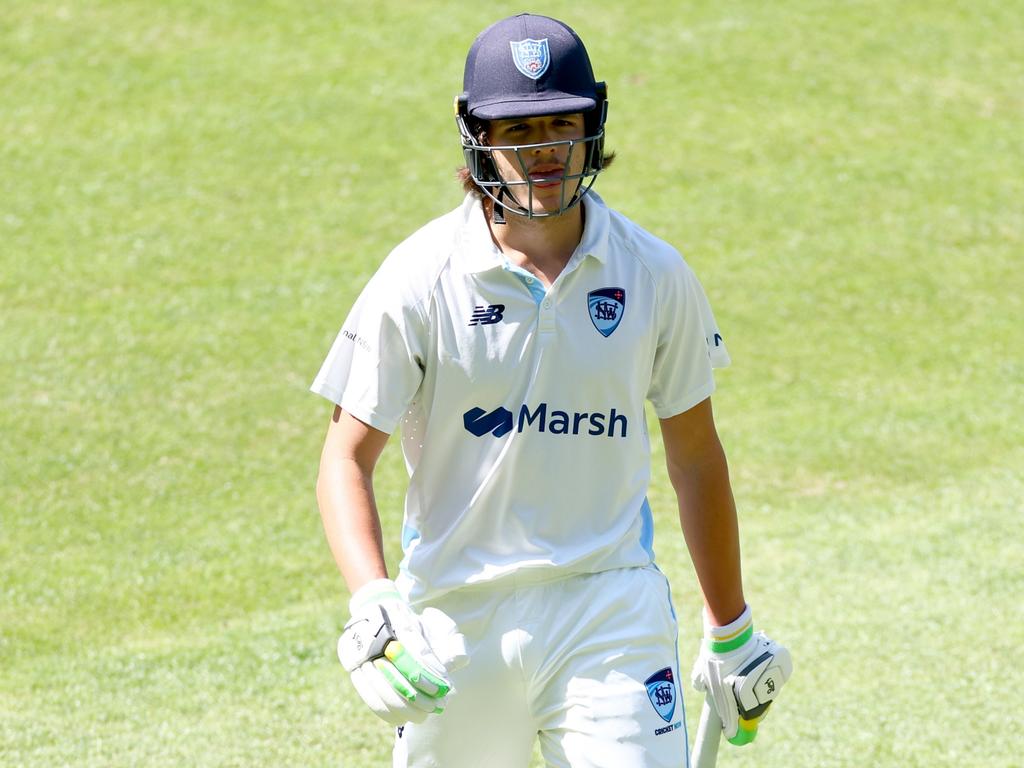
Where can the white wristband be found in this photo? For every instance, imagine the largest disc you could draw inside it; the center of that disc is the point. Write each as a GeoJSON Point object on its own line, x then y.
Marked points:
{"type": "Point", "coordinates": [731, 636]}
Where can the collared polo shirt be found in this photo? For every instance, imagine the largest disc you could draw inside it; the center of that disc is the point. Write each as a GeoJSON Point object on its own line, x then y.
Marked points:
{"type": "Point", "coordinates": [522, 409]}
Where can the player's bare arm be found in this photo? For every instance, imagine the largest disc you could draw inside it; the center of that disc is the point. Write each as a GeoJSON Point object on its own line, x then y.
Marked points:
{"type": "Point", "coordinates": [344, 492]}
{"type": "Point", "coordinates": [398, 659]}
{"type": "Point", "coordinates": [699, 474]}
{"type": "Point", "coordinates": [741, 671]}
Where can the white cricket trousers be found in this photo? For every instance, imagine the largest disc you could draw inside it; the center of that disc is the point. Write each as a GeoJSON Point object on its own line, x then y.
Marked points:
{"type": "Point", "coordinates": [588, 664]}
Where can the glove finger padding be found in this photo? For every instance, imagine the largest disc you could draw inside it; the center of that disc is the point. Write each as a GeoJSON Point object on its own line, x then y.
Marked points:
{"type": "Point", "coordinates": [717, 689]}
{"type": "Point", "coordinates": [448, 644]}
{"type": "Point", "coordinates": [412, 655]}
{"type": "Point", "coordinates": [383, 700]}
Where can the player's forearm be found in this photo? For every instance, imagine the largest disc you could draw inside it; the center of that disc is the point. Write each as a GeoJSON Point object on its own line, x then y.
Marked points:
{"type": "Point", "coordinates": [350, 520]}
{"type": "Point", "coordinates": [707, 513]}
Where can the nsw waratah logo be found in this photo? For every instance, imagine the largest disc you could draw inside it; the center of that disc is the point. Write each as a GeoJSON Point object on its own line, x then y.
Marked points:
{"type": "Point", "coordinates": [661, 689]}
{"type": "Point", "coordinates": [531, 57]}
{"type": "Point", "coordinates": [606, 307]}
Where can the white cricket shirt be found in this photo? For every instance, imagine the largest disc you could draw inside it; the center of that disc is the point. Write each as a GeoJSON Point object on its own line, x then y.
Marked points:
{"type": "Point", "coordinates": [522, 410]}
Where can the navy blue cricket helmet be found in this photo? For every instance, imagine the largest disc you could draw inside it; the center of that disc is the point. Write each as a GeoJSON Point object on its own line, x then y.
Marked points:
{"type": "Point", "coordinates": [530, 66]}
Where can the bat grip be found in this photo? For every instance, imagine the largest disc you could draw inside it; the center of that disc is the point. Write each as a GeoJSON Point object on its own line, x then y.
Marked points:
{"type": "Point", "coordinates": [709, 734]}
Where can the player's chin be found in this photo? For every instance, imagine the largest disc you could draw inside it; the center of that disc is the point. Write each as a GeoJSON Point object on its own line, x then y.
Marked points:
{"type": "Point", "coordinates": [548, 210]}
{"type": "Point", "coordinates": [549, 200]}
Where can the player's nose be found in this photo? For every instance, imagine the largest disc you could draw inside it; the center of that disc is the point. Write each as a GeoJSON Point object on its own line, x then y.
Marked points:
{"type": "Point", "coordinates": [544, 134]}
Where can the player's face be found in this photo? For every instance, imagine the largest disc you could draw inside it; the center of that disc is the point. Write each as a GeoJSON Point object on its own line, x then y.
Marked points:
{"type": "Point", "coordinates": [544, 166]}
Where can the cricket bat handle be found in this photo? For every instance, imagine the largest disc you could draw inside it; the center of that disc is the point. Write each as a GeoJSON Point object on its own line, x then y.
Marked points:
{"type": "Point", "coordinates": [709, 734]}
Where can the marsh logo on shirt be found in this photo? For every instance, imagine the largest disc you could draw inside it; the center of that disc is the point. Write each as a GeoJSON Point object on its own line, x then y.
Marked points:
{"type": "Point", "coordinates": [606, 307]}
{"type": "Point", "coordinates": [544, 418]}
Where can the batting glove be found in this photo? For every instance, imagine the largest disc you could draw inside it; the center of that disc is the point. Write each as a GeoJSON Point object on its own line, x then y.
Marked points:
{"type": "Point", "coordinates": [399, 661]}
{"type": "Point", "coordinates": [742, 673]}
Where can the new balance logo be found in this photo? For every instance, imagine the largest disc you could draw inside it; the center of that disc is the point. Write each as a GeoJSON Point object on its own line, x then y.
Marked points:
{"type": "Point", "coordinates": [478, 422]}
{"type": "Point", "coordinates": [488, 315]}
{"type": "Point", "coordinates": [501, 421]}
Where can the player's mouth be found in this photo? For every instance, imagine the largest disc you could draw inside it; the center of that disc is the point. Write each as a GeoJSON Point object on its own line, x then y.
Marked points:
{"type": "Point", "coordinates": [544, 176]}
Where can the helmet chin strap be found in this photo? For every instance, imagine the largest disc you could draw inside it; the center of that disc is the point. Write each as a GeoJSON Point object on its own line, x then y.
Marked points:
{"type": "Point", "coordinates": [497, 209]}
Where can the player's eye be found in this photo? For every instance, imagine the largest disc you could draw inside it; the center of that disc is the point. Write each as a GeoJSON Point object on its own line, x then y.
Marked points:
{"type": "Point", "coordinates": [509, 134]}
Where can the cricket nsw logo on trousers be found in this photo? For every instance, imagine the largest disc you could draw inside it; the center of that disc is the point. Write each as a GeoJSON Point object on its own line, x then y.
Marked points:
{"type": "Point", "coordinates": [606, 307]}
{"type": "Point", "coordinates": [661, 689]}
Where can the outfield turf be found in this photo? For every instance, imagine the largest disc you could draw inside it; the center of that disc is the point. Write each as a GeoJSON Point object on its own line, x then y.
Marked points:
{"type": "Point", "coordinates": [192, 194]}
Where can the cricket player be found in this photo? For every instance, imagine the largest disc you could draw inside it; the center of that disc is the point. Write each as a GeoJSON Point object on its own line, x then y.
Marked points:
{"type": "Point", "coordinates": [515, 341]}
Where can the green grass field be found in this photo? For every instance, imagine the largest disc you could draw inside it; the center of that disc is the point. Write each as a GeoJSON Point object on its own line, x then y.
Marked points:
{"type": "Point", "coordinates": [192, 194]}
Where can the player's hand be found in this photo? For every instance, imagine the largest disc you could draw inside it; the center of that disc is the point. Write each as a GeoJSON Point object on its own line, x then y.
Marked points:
{"type": "Point", "coordinates": [399, 661]}
{"type": "Point", "coordinates": [742, 672]}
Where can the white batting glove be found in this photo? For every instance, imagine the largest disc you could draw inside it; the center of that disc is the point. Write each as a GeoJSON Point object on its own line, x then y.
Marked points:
{"type": "Point", "coordinates": [398, 660]}
{"type": "Point", "coordinates": [742, 672]}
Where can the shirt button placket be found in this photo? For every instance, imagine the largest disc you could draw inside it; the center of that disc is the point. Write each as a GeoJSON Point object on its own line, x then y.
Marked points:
{"type": "Point", "coordinates": [547, 314]}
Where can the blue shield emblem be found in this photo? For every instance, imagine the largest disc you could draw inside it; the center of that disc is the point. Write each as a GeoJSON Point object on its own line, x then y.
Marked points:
{"type": "Point", "coordinates": [531, 56]}
{"type": "Point", "coordinates": [661, 689]}
{"type": "Point", "coordinates": [606, 307]}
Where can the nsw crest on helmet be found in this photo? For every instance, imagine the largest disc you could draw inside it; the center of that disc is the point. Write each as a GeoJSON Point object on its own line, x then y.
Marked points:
{"type": "Point", "coordinates": [606, 307]}
{"type": "Point", "coordinates": [531, 57]}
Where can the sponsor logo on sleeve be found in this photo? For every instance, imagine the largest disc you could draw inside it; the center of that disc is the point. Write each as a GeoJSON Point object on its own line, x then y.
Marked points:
{"type": "Point", "coordinates": [356, 339]}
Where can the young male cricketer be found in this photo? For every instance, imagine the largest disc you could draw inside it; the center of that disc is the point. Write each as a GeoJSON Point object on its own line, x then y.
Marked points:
{"type": "Point", "coordinates": [515, 340]}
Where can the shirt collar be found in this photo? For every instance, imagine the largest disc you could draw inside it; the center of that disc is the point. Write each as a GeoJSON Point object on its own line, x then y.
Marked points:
{"type": "Point", "coordinates": [480, 253]}
{"type": "Point", "coordinates": [478, 249]}
{"type": "Point", "coordinates": [596, 229]}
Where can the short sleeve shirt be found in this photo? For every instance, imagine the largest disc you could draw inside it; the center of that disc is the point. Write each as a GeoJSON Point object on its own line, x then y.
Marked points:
{"type": "Point", "coordinates": [522, 409]}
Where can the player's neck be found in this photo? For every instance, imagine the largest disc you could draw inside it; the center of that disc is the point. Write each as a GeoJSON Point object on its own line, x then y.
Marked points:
{"type": "Point", "coordinates": [542, 246]}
